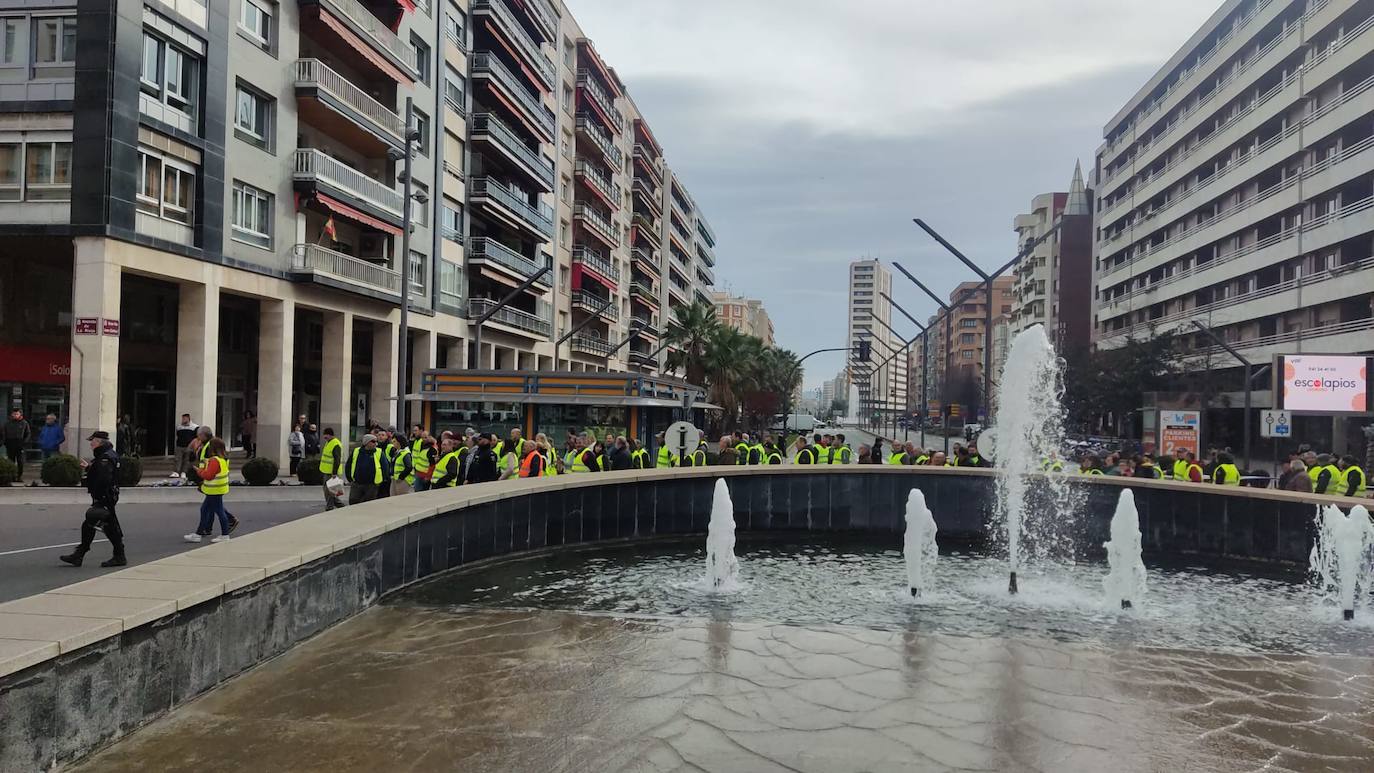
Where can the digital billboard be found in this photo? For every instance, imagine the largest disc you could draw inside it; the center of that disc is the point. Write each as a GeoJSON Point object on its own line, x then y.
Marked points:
{"type": "Point", "coordinates": [1323, 383]}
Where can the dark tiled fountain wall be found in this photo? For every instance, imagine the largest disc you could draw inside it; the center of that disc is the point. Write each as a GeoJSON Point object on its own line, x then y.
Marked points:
{"type": "Point", "coordinates": [62, 709]}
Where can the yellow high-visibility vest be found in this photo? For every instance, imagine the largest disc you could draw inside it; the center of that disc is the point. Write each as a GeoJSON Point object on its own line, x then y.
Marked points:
{"type": "Point", "coordinates": [327, 456]}
{"type": "Point", "coordinates": [377, 460]}
{"type": "Point", "coordinates": [220, 483]}
{"type": "Point", "coordinates": [441, 469]}
{"type": "Point", "coordinates": [1226, 474]}
{"type": "Point", "coordinates": [398, 465]}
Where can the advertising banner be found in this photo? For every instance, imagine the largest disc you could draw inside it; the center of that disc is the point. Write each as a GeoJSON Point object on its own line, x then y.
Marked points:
{"type": "Point", "coordinates": [1323, 383]}
{"type": "Point", "coordinates": [1179, 431]}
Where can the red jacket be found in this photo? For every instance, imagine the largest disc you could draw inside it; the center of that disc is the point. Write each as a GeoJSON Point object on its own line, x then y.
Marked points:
{"type": "Point", "coordinates": [210, 470]}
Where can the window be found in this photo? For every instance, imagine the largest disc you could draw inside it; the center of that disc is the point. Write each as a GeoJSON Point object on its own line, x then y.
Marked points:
{"type": "Point", "coordinates": [48, 171]}
{"type": "Point", "coordinates": [568, 99]}
{"type": "Point", "coordinates": [418, 274]}
{"type": "Point", "coordinates": [11, 174]}
{"type": "Point", "coordinates": [253, 117]}
{"type": "Point", "coordinates": [421, 57]}
{"type": "Point", "coordinates": [420, 212]}
{"type": "Point", "coordinates": [452, 223]}
{"type": "Point", "coordinates": [455, 26]}
{"type": "Point", "coordinates": [166, 188]}
{"type": "Point", "coordinates": [966, 354]}
{"type": "Point", "coordinates": [422, 123]}
{"type": "Point", "coordinates": [255, 21]}
{"type": "Point", "coordinates": [54, 40]}
{"type": "Point", "coordinates": [569, 54]}
{"type": "Point", "coordinates": [252, 215]}
{"type": "Point", "coordinates": [170, 74]}
{"type": "Point", "coordinates": [10, 32]}
{"type": "Point", "coordinates": [455, 89]}
{"type": "Point", "coordinates": [968, 323]}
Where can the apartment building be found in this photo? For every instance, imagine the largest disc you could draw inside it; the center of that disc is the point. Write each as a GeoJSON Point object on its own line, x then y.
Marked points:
{"type": "Point", "coordinates": [881, 390]}
{"type": "Point", "coordinates": [1236, 188]}
{"type": "Point", "coordinates": [961, 351]}
{"type": "Point", "coordinates": [744, 314]}
{"type": "Point", "coordinates": [1053, 281]}
{"type": "Point", "coordinates": [203, 206]}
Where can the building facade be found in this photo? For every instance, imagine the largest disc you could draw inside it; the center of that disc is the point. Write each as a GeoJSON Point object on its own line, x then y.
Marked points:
{"type": "Point", "coordinates": [1053, 281]}
{"type": "Point", "coordinates": [1236, 188]}
{"type": "Point", "coordinates": [881, 390]}
{"type": "Point", "coordinates": [204, 208]}
{"type": "Point", "coordinates": [960, 353]}
{"type": "Point", "coordinates": [746, 315]}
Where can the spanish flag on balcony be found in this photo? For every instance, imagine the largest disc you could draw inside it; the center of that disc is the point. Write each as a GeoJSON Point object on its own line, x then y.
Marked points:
{"type": "Point", "coordinates": [329, 230]}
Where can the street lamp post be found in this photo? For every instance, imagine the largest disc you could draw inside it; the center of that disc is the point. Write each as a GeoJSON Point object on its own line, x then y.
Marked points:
{"type": "Point", "coordinates": [1210, 333]}
{"type": "Point", "coordinates": [787, 398]}
{"type": "Point", "coordinates": [412, 135]}
{"type": "Point", "coordinates": [558, 345]}
{"type": "Point", "coordinates": [924, 331]}
{"type": "Point", "coordinates": [476, 358]}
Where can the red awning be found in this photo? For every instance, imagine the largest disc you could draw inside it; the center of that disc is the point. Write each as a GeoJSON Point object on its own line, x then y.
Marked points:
{"type": "Point", "coordinates": [343, 210]}
{"type": "Point", "coordinates": [363, 48]}
{"type": "Point", "coordinates": [501, 38]}
{"type": "Point", "coordinates": [406, 5]}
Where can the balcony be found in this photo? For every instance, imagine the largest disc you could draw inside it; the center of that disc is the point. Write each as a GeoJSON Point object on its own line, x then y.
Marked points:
{"type": "Point", "coordinates": [543, 18]}
{"type": "Point", "coordinates": [603, 101]}
{"type": "Point", "coordinates": [511, 206]}
{"type": "Point", "coordinates": [586, 344]}
{"type": "Point", "coordinates": [642, 360]}
{"type": "Point", "coordinates": [345, 272]}
{"type": "Point", "coordinates": [647, 228]}
{"type": "Point", "coordinates": [646, 324]}
{"type": "Point", "coordinates": [584, 301]}
{"type": "Point", "coordinates": [486, 67]}
{"type": "Point", "coordinates": [681, 290]}
{"type": "Point", "coordinates": [521, 321]}
{"type": "Point", "coordinates": [514, 32]}
{"type": "Point", "coordinates": [373, 31]}
{"type": "Point", "coordinates": [489, 129]}
{"type": "Point", "coordinates": [340, 97]}
{"type": "Point", "coordinates": [648, 161]}
{"type": "Point", "coordinates": [588, 129]}
{"type": "Point", "coordinates": [597, 225]}
{"type": "Point", "coordinates": [599, 183]}
{"type": "Point", "coordinates": [705, 275]}
{"type": "Point", "coordinates": [648, 193]}
{"type": "Point", "coordinates": [639, 291]}
{"type": "Point", "coordinates": [646, 260]}
{"type": "Point", "coordinates": [707, 256]}
{"type": "Point", "coordinates": [488, 251]}
{"type": "Point", "coordinates": [315, 168]}
{"type": "Point", "coordinates": [597, 263]}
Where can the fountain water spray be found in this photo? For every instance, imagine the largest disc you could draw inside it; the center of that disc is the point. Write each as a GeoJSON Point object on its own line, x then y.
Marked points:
{"type": "Point", "coordinates": [1338, 559]}
{"type": "Point", "coordinates": [1126, 578]}
{"type": "Point", "coordinates": [722, 568]}
{"type": "Point", "coordinates": [919, 544]}
{"type": "Point", "coordinates": [1029, 430]}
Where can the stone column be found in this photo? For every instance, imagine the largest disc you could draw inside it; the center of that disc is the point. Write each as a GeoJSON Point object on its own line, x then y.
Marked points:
{"type": "Point", "coordinates": [381, 403]}
{"type": "Point", "coordinates": [276, 350]}
{"type": "Point", "coordinates": [95, 356]}
{"type": "Point", "coordinates": [424, 356]}
{"type": "Point", "coordinates": [336, 373]}
{"type": "Point", "coordinates": [198, 355]}
{"type": "Point", "coordinates": [457, 354]}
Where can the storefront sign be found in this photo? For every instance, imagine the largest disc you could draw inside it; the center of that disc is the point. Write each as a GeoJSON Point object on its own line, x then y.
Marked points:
{"type": "Point", "coordinates": [86, 326]}
{"type": "Point", "coordinates": [35, 365]}
{"type": "Point", "coordinates": [110, 327]}
{"type": "Point", "coordinates": [1179, 431]}
{"type": "Point", "coordinates": [1324, 383]}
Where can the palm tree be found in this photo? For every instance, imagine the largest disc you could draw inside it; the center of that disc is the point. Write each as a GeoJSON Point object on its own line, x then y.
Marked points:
{"type": "Point", "coordinates": [730, 356]}
{"type": "Point", "coordinates": [692, 330]}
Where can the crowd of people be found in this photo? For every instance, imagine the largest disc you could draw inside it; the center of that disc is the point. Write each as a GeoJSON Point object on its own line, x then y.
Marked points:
{"type": "Point", "coordinates": [1304, 470]}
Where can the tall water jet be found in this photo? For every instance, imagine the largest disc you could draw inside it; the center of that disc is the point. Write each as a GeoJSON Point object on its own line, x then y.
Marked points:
{"type": "Point", "coordinates": [919, 546]}
{"type": "Point", "coordinates": [722, 567]}
{"type": "Point", "coordinates": [1029, 431]}
{"type": "Point", "coordinates": [1338, 558]}
{"type": "Point", "coordinates": [1125, 581]}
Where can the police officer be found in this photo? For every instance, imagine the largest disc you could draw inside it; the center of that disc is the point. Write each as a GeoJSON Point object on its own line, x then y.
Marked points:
{"type": "Point", "coordinates": [102, 483]}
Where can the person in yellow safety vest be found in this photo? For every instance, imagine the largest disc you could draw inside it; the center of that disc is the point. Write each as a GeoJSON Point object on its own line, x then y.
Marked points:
{"type": "Point", "coordinates": [214, 484]}
{"type": "Point", "coordinates": [1191, 470]}
{"type": "Point", "coordinates": [639, 456]}
{"type": "Point", "coordinates": [417, 438]}
{"type": "Point", "coordinates": [805, 454]}
{"type": "Point", "coordinates": [448, 471]}
{"type": "Point", "coordinates": [553, 465]}
{"type": "Point", "coordinates": [516, 445]}
{"type": "Point", "coordinates": [1089, 465]}
{"type": "Point", "coordinates": [331, 465]}
{"type": "Point", "coordinates": [1225, 473]}
{"type": "Point", "coordinates": [841, 453]}
{"type": "Point", "coordinates": [387, 453]}
{"type": "Point", "coordinates": [922, 458]}
{"type": "Point", "coordinates": [1146, 468]}
{"type": "Point", "coordinates": [698, 457]}
{"type": "Point", "coordinates": [818, 444]}
{"type": "Point", "coordinates": [1051, 463]}
{"type": "Point", "coordinates": [741, 449]}
{"type": "Point", "coordinates": [937, 459]}
{"type": "Point", "coordinates": [402, 467]}
{"type": "Point", "coordinates": [756, 452]}
{"type": "Point", "coordinates": [1180, 465]}
{"type": "Point", "coordinates": [1326, 477]}
{"type": "Point", "coordinates": [1353, 480]}
{"type": "Point", "coordinates": [584, 458]}
{"type": "Point", "coordinates": [204, 434]}
{"type": "Point", "coordinates": [422, 459]}
{"type": "Point", "coordinates": [771, 453]}
{"type": "Point", "coordinates": [666, 457]}
{"type": "Point", "coordinates": [366, 470]}
{"type": "Point", "coordinates": [899, 455]}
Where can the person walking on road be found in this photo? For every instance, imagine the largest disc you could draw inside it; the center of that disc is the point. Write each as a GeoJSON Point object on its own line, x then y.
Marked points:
{"type": "Point", "coordinates": [331, 465]}
{"type": "Point", "coordinates": [102, 483]}
{"type": "Point", "coordinates": [365, 471]}
{"type": "Point", "coordinates": [17, 433]}
{"type": "Point", "coordinates": [50, 436]}
{"type": "Point", "coordinates": [185, 435]}
{"type": "Point", "coordinates": [214, 484]}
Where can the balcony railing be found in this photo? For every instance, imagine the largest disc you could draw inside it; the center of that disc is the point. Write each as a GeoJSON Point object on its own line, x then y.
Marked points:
{"type": "Point", "coordinates": [316, 74]}
{"type": "Point", "coordinates": [601, 98]}
{"type": "Point", "coordinates": [516, 32]}
{"type": "Point", "coordinates": [645, 292]}
{"type": "Point", "coordinates": [600, 182]}
{"type": "Point", "coordinates": [704, 252]}
{"type": "Point", "coordinates": [648, 162]}
{"type": "Point", "coordinates": [508, 140]}
{"type": "Point", "coordinates": [597, 223]}
{"type": "Point", "coordinates": [599, 138]}
{"type": "Point", "coordinates": [590, 303]}
{"type": "Point", "coordinates": [591, 345]}
{"type": "Point", "coordinates": [647, 324]}
{"type": "Point", "coordinates": [645, 259]}
{"type": "Point", "coordinates": [1335, 328]}
{"type": "Point", "coordinates": [322, 261]}
{"type": "Point", "coordinates": [540, 216]}
{"type": "Point", "coordinates": [587, 257]}
{"type": "Point", "coordinates": [648, 192]}
{"type": "Point", "coordinates": [647, 227]}
{"type": "Point", "coordinates": [543, 18]}
{"type": "Point", "coordinates": [313, 165]}
{"type": "Point", "coordinates": [485, 64]}
{"type": "Point", "coordinates": [376, 31]}
{"type": "Point", "coordinates": [489, 250]}
{"type": "Point", "coordinates": [520, 320]}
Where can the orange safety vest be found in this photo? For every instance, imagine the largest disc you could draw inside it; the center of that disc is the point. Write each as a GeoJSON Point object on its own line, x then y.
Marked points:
{"type": "Point", "coordinates": [526, 465]}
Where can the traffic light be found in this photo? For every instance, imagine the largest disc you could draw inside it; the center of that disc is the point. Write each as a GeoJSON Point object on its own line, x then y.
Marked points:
{"type": "Point", "coordinates": [864, 351]}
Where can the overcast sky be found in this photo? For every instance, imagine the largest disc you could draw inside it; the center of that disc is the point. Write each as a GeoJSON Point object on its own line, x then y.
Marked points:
{"type": "Point", "coordinates": [810, 132]}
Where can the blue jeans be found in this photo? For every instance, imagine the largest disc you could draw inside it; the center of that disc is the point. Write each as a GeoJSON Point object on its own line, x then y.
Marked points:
{"type": "Point", "coordinates": [210, 507]}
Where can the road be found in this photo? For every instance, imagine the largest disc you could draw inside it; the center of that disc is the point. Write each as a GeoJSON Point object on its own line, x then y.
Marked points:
{"type": "Point", "coordinates": [33, 535]}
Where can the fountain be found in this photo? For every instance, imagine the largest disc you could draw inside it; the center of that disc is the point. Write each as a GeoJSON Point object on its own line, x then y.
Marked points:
{"type": "Point", "coordinates": [1029, 430]}
{"type": "Point", "coordinates": [919, 548]}
{"type": "Point", "coordinates": [1338, 561]}
{"type": "Point", "coordinates": [1126, 579]}
{"type": "Point", "coordinates": [722, 568]}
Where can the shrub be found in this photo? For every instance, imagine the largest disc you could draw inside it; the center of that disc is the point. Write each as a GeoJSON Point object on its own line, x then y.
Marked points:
{"type": "Point", "coordinates": [9, 472]}
{"type": "Point", "coordinates": [260, 471]}
{"type": "Point", "coordinates": [62, 470]}
{"type": "Point", "coordinates": [308, 471]}
{"type": "Point", "coordinates": [130, 470]}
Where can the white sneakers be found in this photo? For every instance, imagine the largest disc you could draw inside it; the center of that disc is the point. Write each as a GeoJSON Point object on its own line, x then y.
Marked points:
{"type": "Point", "coordinates": [175, 475]}
{"type": "Point", "coordinates": [191, 537]}
{"type": "Point", "coordinates": [221, 538]}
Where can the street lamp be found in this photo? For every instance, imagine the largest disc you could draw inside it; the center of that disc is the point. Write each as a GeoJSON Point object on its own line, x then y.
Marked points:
{"type": "Point", "coordinates": [1210, 333]}
{"type": "Point", "coordinates": [412, 136]}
